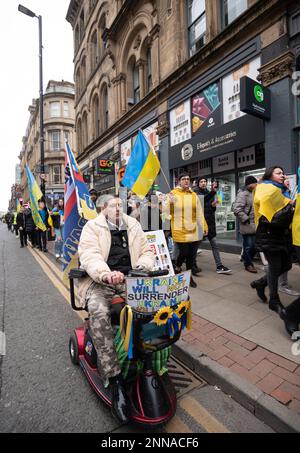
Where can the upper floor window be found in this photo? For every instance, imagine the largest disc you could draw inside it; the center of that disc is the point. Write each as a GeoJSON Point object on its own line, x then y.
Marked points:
{"type": "Point", "coordinates": [105, 108]}
{"type": "Point", "coordinates": [67, 137]}
{"type": "Point", "coordinates": [56, 174]}
{"type": "Point", "coordinates": [148, 71]}
{"type": "Point", "coordinates": [94, 50]}
{"type": "Point", "coordinates": [66, 109]}
{"type": "Point", "coordinates": [197, 25]}
{"type": "Point", "coordinates": [96, 117]}
{"type": "Point", "coordinates": [232, 9]}
{"type": "Point", "coordinates": [54, 140]}
{"type": "Point", "coordinates": [81, 24]}
{"type": "Point", "coordinates": [136, 84]}
{"type": "Point", "coordinates": [54, 109]}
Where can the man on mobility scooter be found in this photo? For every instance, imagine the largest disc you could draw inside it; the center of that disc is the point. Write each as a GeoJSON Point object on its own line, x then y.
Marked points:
{"type": "Point", "coordinates": [110, 246]}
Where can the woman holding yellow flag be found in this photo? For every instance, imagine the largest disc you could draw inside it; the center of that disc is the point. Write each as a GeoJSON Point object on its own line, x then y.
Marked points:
{"type": "Point", "coordinates": [273, 210]}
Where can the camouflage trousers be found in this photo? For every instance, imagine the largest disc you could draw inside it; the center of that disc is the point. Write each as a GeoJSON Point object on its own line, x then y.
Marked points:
{"type": "Point", "coordinates": [98, 300]}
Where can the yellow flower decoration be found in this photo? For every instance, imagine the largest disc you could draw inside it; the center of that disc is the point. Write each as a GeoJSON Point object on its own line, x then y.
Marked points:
{"type": "Point", "coordinates": [163, 315]}
{"type": "Point", "coordinates": [182, 308]}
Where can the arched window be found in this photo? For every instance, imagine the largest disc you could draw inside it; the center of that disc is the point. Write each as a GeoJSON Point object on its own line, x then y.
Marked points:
{"type": "Point", "coordinates": [78, 84]}
{"type": "Point", "coordinates": [148, 71]}
{"type": "Point", "coordinates": [94, 50]}
{"type": "Point", "coordinates": [83, 74]}
{"type": "Point", "coordinates": [136, 84]}
{"type": "Point", "coordinates": [96, 116]}
{"type": "Point", "coordinates": [81, 24]}
{"type": "Point", "coordinates": [102, 25]}
{"type": "Point", "coordinates": [77, 38]}
{"type": "Point", "coordinates": [79, 136]}
{"type": "Point", "coordinates": [84, 130]}
{"type": "Point", "coordinates": [105, 108]}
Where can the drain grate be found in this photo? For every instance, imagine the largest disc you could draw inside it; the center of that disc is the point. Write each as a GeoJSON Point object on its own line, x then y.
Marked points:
{"type": "Point", "coordinates": [183, 379]}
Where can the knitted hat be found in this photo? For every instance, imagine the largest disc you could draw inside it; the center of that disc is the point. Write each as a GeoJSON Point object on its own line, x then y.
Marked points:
{"type": "Point", "coordinates": [250, 180]}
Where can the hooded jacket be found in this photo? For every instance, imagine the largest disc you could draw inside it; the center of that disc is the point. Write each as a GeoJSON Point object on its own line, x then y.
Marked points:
{"type": "Point", "coordinates": [94, 248]}
{"type": "Point", "coordinates": [187, 218]}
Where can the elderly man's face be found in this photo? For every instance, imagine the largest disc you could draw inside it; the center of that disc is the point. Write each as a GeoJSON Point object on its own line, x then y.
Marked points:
{"type": "Point", "coordinates": [114, 210]}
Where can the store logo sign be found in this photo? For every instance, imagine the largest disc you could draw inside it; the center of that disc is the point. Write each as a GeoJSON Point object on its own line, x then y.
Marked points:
{"type": "Point", "coordinates": [259, 93]}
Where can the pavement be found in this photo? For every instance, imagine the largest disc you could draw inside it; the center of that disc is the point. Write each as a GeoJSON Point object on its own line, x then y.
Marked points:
{"type": "Point", "coordinates": [240, 345]}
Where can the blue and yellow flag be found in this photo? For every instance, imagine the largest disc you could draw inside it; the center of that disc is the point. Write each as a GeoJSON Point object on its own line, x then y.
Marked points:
{"type": "Point", "coordinates": [86, 207]}
{"type": "Point", "coordinates": [296, 219]}
{"type": "Point", "coordinates": [142, 168]}
{"type": "Point", "coordinates": [35, 194]}
{"type": "Point", "coordinates": [268, 200]}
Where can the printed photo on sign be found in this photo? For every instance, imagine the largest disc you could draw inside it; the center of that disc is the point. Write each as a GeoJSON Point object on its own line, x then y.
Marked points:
{"type": "Point", "coordinates": [206, 110]}
{"type": "Point", "coordinates": [180, 123]}
{"type": "Point", "coordinates": [151, 135]}
{"type": "Point", "coordinates": [125, 152]}
{"type": "Point", "coordinates": [231, 89]}
{"type": "Point", "coordinates": [158, 245]}
{"type": "Point", "coordinates": [152, 294]}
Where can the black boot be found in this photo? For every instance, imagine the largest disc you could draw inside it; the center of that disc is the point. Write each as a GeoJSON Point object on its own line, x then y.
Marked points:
{"type": "Point", "coordinates": [260, 289]}
{"type": "Point", "coordinates": [291, 326]}
{"type": "Point", "coordinates": [120, 402]}
{"type": "Point", "coordinates": [193, 284]}
{"type": "Point", "coordinates": [276, 305]}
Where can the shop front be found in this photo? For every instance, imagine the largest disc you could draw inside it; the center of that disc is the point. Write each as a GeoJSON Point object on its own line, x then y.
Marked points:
{"type": "Point", "coordinates": [211, 137]}
{"type": "Point", "coordinates": [104, 173]}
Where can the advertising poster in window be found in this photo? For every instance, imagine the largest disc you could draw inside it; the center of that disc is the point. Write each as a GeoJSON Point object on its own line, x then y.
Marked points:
{"type": "Point", "coordinates": [231, 89]}
{"type": "Point", "coordinates": [180, 123]}
{"type": "Point", "coordinates": [151, 135]}
{"type": "Point", "coordinates": [206, 109]}
{"type": "Point", "coordinates": [125, 152]}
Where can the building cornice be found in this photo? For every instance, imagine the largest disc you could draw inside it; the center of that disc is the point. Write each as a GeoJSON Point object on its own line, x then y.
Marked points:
{"type": "Point", "coordinates": [277, 69]}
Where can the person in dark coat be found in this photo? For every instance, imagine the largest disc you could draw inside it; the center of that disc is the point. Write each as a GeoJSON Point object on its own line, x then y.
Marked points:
{"type": "Point", "coordinates": [209, 214]}
{"type": "Point", "coordinates": [21, 227]}
{"type": "Point", "coordinates": [29, 225]}
{"type": "Point", "coordinates": [273, 234]}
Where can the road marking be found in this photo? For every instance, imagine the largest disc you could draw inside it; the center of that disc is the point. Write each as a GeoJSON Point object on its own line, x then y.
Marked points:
{"type": "Point", "coordinates": [176, 425]}
{"type": "Point", "coordinates": [55, 280]}
{"type": "Point", "coordinates": [202, 417]}
{"type": "Point", "coordinates": [2, 343]}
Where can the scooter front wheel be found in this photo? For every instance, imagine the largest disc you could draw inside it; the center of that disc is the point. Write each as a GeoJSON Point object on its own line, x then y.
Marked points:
{"type": "Point", "coordinates": [73, 349]}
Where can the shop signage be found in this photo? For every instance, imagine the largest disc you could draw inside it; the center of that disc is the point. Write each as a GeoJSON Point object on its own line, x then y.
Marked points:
{"type": "Point", "coordinates": [255, 99]}
{"type": "Point", "coordinates": [231, 89]}
{"type": "Point", "coordinates": [241, 133]}
{"type": "Point", "coordinates": [223, 163]}
{"type": "Point", "coordinates": [104, 166]}
{"type": "Point", "coordinates": [206, 109]}
{"type": "Point", "coordinates": [180, 123]}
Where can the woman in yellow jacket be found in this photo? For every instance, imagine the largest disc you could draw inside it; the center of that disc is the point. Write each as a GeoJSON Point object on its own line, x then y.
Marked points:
{"type": "Point", "coordinates": [188, 224]}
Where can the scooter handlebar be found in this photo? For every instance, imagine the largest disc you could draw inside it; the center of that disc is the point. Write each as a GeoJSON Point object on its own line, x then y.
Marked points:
{"type": "Point", "coordinates": [144, 273]}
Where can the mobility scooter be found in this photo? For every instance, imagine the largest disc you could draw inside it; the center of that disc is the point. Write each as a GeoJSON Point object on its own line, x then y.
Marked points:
{"type": "Point", "coordinates": [150, 390]}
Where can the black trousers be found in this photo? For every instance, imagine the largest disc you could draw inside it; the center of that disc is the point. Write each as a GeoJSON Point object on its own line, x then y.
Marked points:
{"type": "Point", "coordinates": [188, 253]}
{"type": "Point", "coordinates": [42, 239]}
{"type": "Point", "coordinates": [23, 237]}
{"type": "Point", "coordinates": [278, 263]}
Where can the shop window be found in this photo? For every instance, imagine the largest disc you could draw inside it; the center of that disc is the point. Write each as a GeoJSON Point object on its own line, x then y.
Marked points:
{"type": "Point", "coordinates": [196, 25]}
{"type": "Point", "coordinates": [231, 9]}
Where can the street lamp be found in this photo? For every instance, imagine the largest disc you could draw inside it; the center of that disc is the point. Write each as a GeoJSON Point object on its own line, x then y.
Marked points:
{"type": "Point", "coordinates": [30, 13]}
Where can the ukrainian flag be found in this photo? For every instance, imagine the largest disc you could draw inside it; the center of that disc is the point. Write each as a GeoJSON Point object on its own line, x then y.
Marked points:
{"type": "Point", "coordinates": [268, 200]}
{"type": "Point", "coordinates": [296, 219]}
{"type": "Point", "coordinates": [142, 168]}
{"type": "Point", "coordinates": [35, 194]}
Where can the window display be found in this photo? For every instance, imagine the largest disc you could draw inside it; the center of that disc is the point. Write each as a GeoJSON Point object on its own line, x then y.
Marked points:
{"type": "Point", "coordinates": [225, 219]}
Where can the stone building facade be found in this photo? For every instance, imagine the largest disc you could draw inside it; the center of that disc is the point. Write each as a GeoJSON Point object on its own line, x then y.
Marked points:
{"type": "Point", "coordinates": [59, 120]}
{"type": "Point", "coordinates": [173, 69]}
